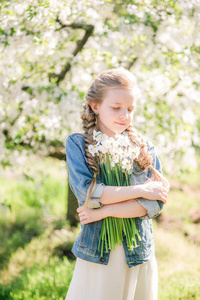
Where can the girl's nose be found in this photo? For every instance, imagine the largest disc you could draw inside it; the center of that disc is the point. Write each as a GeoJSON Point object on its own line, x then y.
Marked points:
{"type": "Point", "coordinates": [124, 114]}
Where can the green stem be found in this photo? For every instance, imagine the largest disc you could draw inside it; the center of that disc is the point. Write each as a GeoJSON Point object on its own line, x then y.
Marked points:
{"type": "Point", "coordinates": [113, 228]}
{"type": "Point", "coordinates": [108, 230]}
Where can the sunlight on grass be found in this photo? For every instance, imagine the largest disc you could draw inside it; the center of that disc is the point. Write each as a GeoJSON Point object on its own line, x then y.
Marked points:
{"type": "Point", "coordinates": [36, 240]}
{"type": "Point", "coordinates": [36, 272]}
{"type": "Point", "coordinates": [178, 265]}
{"type": "Point", "coordinates": [41, 184]}
{"type": "Point", "coordinates": [39, 250]}
{"type": "Point", "coordinates": [179, 204]}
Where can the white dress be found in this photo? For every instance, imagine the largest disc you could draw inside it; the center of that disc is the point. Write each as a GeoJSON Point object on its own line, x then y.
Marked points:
{"type": "Point", "coordinates": [115, 281]}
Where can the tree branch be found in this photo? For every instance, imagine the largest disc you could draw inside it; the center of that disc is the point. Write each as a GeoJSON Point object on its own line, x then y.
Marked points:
{"type": "Point", "coordinates": [57, 152]}
{"type": "Point", "coordinates": [79, 46]}
{"type": "Point", "coordinates": [131, 63]}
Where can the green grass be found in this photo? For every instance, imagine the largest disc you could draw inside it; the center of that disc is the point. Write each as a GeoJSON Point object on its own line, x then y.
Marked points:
{"type": "Point", "coordinates": [178, 264]}
{"type": "Point", "coordinates": [42, 282]}
{"type": "Point", "coordinates": [36, 271]}
{"type": "Point", "coordinates": [36, 240]}
{"type": "Point", "coordinates": [34, 233]}
{"type": "Point", "coordinates": [180, 203]}
{"type": "Point", "coordinates": [177, 242]}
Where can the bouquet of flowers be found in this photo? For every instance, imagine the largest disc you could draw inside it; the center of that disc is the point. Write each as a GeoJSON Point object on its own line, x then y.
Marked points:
{"type": "Point", "coordinates": [115, 157]}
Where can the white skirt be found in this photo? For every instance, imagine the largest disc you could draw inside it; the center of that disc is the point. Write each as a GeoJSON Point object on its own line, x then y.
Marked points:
{"type": "Point", "coordinates": [115, 281]}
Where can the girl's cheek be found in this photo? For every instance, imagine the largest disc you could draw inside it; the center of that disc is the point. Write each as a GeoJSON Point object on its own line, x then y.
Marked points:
{"type": "Point", "coordinates": [112, 113]}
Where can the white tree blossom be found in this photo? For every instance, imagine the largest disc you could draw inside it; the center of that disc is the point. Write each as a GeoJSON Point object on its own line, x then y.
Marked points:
{"type": "Point", "coordinates": [157, 41]}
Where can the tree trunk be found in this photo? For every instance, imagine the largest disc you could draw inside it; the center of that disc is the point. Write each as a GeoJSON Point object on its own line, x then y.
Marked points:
{"type": "Point", "coordinates": [72, 205]}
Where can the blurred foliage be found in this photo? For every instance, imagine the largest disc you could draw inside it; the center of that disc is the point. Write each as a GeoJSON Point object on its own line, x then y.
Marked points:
{"type": "Point", "coordinates": [52, 50]}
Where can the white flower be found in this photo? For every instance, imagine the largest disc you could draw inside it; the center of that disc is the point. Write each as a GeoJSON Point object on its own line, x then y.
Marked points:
{"type": "Point", "coordinates": [97, 136]}
{"type": "Point", "coordinates": [112, 162]}
{"type": "Point", "coordinates": [102, 149]}
{"type": "Point", "coordinates": [93, 149]}
{"type": "Point", "coordinates": [123, 140]}
{"type": "Point", "coordinates": [126, 165]}
{"type": "Point", "coordinates": [116, 158]}
{"type": "Point", "coordinates": [133, 153]}
{"type": "Point", "coordinates": [109, 143]}
{"type": "Point", "coordinates": [122, 154]}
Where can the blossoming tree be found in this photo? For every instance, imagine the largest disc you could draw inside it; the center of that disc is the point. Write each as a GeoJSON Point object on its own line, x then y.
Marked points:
{"type": "Point", "coordinates": [50, 51]}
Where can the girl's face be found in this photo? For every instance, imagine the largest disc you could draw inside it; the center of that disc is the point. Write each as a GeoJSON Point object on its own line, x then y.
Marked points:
{"type": "Point", "coordinates": [115, 112]}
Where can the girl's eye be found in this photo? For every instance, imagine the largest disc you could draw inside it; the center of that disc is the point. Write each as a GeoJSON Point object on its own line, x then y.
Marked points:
{"type": "Point", "coordinates": [117, 108]}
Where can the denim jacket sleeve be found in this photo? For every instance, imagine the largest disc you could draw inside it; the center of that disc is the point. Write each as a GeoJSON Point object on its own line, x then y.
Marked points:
{"type": "Point", "coordinates": [80, 175]}
{"type": "Point", "coordinates": [153, 207]}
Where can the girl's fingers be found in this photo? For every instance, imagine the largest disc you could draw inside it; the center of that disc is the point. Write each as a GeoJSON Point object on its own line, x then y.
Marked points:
{"type": "Point", "coordinates": [163, 179]}
{"type": "Point", "coordinates": [84, 222]}
{"type": "Point", "coordinates": [149, 180]}
{"type": "Point", "coordinates": [80, 216]}
{"type": "Point", "coordinates": [164, 199]}
{"type": "Point", "coordinates": [79, 209]}
{"type": "Point", "coordinates": [83, 218]}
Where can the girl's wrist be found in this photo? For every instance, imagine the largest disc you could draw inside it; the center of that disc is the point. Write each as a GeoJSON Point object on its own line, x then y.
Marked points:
{"type": "Point", "coordinates": [138, 192]}
{"type": "Point", "coordinates": [106, 211]}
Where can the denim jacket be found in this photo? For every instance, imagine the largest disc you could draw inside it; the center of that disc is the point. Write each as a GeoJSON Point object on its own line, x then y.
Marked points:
{"type": "Point", "coordinates": [80, 176]}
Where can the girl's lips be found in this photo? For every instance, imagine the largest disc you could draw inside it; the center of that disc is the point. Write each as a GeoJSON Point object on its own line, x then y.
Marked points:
{"type": "Point", "coordinates": [120, 123]}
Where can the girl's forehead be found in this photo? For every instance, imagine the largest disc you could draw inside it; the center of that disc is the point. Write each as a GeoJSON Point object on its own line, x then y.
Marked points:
{"type": "Point", "coordinates": [119, 96]}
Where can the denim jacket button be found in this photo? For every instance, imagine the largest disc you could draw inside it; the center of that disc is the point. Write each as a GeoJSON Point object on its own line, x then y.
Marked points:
{"type": "Point", "coordinates": [102, 259]}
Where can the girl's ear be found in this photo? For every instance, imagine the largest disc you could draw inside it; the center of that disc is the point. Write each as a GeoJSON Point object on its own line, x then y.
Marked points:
{"type": "Point", "coordinates": [94, 107]}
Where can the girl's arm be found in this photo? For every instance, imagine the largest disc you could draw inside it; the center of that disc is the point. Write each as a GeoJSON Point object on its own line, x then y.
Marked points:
{"type": "Point", "coordinates": [151, 190]}
{"type": "Point", "coordinates": [128, 209]}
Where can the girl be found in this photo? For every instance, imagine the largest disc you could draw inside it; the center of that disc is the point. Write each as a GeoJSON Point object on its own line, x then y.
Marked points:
{"type": "Point", "coordinates": [120, 274]}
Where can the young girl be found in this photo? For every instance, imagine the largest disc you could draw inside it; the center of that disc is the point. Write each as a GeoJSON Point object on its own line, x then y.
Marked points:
{"type": "Point", "coordinates": [121, 274]}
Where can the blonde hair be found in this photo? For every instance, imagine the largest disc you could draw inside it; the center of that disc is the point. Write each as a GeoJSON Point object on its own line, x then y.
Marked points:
{"type": "Point", "coordinates": [109, 79]}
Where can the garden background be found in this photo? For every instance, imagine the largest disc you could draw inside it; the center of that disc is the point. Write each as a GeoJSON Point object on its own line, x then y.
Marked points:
{"type": "Point", "coordinates": [50, 51]}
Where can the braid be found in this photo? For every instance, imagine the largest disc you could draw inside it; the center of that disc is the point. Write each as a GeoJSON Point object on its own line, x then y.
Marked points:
{"type": "Point", "coordinates": [144, 159]}
{"type": "Point", "coordinates": [89, 125]}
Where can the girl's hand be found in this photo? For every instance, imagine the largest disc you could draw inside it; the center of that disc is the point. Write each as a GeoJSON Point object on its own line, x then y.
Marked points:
{"type": "Point", "coordinates": [87, 215]}
{"type": "Point", "coordinates": [154, 190]}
